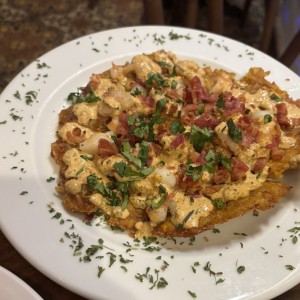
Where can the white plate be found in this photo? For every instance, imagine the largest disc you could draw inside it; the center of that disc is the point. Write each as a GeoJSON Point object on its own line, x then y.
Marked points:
{"type": "Point", "coordinates": [263, 244]}
{"type": "Point", "coordinates": [12, 287]}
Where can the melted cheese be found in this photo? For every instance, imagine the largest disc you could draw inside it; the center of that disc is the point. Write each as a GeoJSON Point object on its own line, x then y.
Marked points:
{"type": "Point", "coordinates": [187, 212]}
{"type": "Point", "coordinates": [68, 127]}
{"type": "Point", "coordinates": [115, 211]}
{"type": "Point", "coordinates": [241, 189]}
{"type": "Point", "coordinates": [85, 112]}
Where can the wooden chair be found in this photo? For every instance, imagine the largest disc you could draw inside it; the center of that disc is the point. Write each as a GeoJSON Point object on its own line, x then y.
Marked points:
{"type": "Point", "coordinates": [154, 13]}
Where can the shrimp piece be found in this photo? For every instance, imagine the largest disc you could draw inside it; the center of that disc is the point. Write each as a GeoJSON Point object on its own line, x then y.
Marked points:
{"type": "Point", "coordinates": [90, 145]}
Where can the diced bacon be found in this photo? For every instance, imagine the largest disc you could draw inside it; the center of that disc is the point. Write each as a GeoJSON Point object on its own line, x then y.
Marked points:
{"type": "Point", "coordinates": [195, 92]}
{"type": "Point", "coordinates": [172, 109]}
{"type": "Point", "coordinates": [175, 93]}
{"type": "Point", "coordinates": [148, 100]}
{"type": "Point", "coordinates": [239, 169]}
{"type": "Point", "coordinates": [106, 148]}
{"type": "Point", "coordinates": [232, 106]}
{"type": "Point", "coordinates": [281, 108]}
{"type": "Point", "coordinates": [179, 139]}
{"type": "Point", "coordinates": [221, 176]}
{"type": "Point", "coordinates": [283, 120]}
{"type": "Point", "coordinates": [188, 113]}
{"type": "Point", "coordinates": [157, 149]}
{"type": "Point", "coordinates": [123, 125]}
{"type": "Point", "coordinates": [248, 137]}
{"type": "Point", "coordinates": [160, 135]}
{"type": "Point", "coordinates": [277, 154]}
{"type": "Point", "coordinates": [198, 89]}
{"type": "Point", "coordinates": [244, 122]}
{"type": "Point", "coordinates": [295, 121]}
{"type": "Point", "coordinates": [207, 120]}
{"type": "Point", "coordinates": [282, 117]}
{"type": "Point", "coordinates": [259, 164]}
{"type": "Point", "coordinates": [213, 98]}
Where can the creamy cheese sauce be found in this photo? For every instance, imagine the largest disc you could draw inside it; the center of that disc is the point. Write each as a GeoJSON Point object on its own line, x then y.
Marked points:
{"type": "Point", "coordinates": [155, 180]}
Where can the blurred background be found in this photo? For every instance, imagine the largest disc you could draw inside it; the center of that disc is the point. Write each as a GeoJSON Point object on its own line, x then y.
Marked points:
{"type": "Point", "coordinates": [29, 28]}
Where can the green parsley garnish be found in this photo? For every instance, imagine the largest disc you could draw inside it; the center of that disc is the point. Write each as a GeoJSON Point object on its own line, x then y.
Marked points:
{"type": "Point", "coordinates": [199, 136]}
{"type": "Point", "coordinates": [177, 127]}
{"type": "Point", "coordinates": [233, 131]}
{"type": "Point", "coordinates": [153, 78]}
{"type": "Point", "coordinates": [77, 97]}
{"type": "Point", "coordinates": [276, 98]}
{"type": "Point", "coordinates": [267, 118]}
{"type": "Point", "coordinates": [219, 203]}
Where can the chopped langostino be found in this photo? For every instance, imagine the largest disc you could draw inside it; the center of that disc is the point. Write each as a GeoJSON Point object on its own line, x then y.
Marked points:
{"type": "Point", "coordinates": [164, 147]}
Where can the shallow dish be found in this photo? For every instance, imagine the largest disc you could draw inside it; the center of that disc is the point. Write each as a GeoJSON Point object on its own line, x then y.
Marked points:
{"type": "Point", "coordinates": [246, 258]}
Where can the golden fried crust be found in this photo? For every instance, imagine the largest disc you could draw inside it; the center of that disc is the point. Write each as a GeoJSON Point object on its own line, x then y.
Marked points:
{"type": "Point", "coordinates": [265, 197]}
{"type": "Point", "coordinates": [261, 198]}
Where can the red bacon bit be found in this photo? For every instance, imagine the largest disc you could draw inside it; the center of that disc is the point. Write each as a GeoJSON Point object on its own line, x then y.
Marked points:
{"type": "Point", "coordinates": [106, 148]}
{"type": "Point", "coordinates": [188, 113]}
{"type": "Point", "coordinates": [281, 108]}
{"type": "Point", "coordinates": [282, 118]}
{"type": "Point", "coordinates": [249, 137]}
{"type": "Point", "coordinates": [277, 154]}
{"type": "Point", "coordinates": [259, 164]}
{"type": "Point", "coordinates": [123, 126]}
{"type": "Point", "coordinates": [179, 139]}
{"type": "Point", "coordinates": [221, 176]}
{"type": "Point", "coordinates": [198, 89]}
{"type": "Point", "coordinates": [148, 100]}
{"type": "Point", "coordinates": [239, 169]}
{"type": "Point", "coordinates": [207, 120]}
{"type": "Point", "coordinates": [157, 149]}
{"type": "Point", "coordinates": [174, 93]}
{"type": "Point", "coordinates": [232, 106]}
{"type": "Point", "coordinates": [213, 98]}
{"type": "Point", "coordinates": [195, 92]}
{"type": "Point", "coordinates": [244, 122]}
{"type": "Point", "coordinates": [172, 109]}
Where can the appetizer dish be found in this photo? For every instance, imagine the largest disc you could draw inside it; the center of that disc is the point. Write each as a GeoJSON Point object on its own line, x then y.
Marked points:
{"type": "Point", "coordinates": [164, 147]}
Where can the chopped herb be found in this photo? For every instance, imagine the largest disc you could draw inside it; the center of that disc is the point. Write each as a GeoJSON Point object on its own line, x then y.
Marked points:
{"type": "Point", "coordinates": [275, 98]}
{"type": "Point", "coordinates": [233, 131]}
{"type": "Point", "coordinates": [163, 193]}
{"type": "Point", "coordinates": [156, 78]}
{"type": "Point", "coordinates": [17, 95]}
{"type": "Point", "coordinates": [136, 92]}
{"type": "Point", "coordinates": [220, 103]}
{"type": "Point", "coordinates": [186, 218]}
{"type": "Point", "coordinates": [267, 118]}
{"type": "Point", "coordinates": [42, 65]}
{"type": "Point", "coordinates": [50, 179]}
{"type": "Point", "coordinates": [30, 97]}
{"type": "Point", "coordinates": [78, 97]}
{"type": "Point", "coordinates": [15, 117]}
{"type": "Point", "coordinates": [207, 268]}
{"type": "Point", "coordinates": [23, 193]}
{"type": "Point", "coordinates": [100, 271]}
{"type": "Point", "coordinates": [174, 84]}
{"type": "Point", "coordinates": [86, 158]}
{"type": "Point", "coordinates": [3, 122]}
{"type": "Point", "coordinates": [193, 295]}
{"type": "Point", "coordinates": [219, 203]}
{"type": "Point", "coordinates": [289, 267]}
{"type": "Point", "coordinates": [240, 269]}
{"type": "Point", "coordinates": [177, 127]}
{"type": "Point", "coordinates": [199, 136]}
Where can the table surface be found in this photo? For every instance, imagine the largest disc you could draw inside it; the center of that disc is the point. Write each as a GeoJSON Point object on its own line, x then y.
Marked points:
{"type": "Point", "coordinates": [47, 289]}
